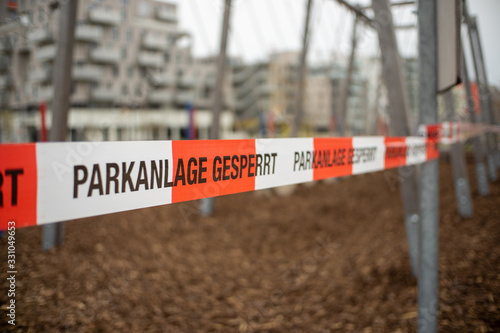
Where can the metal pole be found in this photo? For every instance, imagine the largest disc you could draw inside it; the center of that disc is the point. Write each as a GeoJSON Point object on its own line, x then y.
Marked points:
{"type": "Point", "coordinates": [429, 174]}
{"type": "Point", "coordinates": [53, 233]}
{"type": "Point", "coordinates": [488, 98]}
{"type": "Point", "coordinates": [482, 179]}
{"type": "Point", "coordinates": [399, 108]}
{"type": "Point", "coordinates": [483, 92]}
{"type": "Point", "coordinates": [302, 71]}
{"type": "Point", "coordinates": [348, 79]}
{"type": "Point", "coordinates": [207, 204]}
{"type": "Point", "coordinates": [221, 68]}
{"type": "Point", "coordinates": [459, 166]}
{"type": "Point", "coordinates": [371, 117]}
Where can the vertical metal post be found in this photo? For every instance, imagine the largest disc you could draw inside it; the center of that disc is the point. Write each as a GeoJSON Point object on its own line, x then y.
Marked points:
{"type": "Point", "coordinates": [299, 108]}
{"type": "Point", "coordinates": [371, 118]}
{"type": "Point", "coordinates": [53, 233]}
{"type": "Point", "coordinates": [481, 177]}
{"type": "Point", "coordinates": [488, 98]}
{"type": "Point", "coordinates": [399, 108]}
{"type": "Point", "coordinates": [459, 166]}
{"type": "Point", "coordinates": [207, 204]}
{"type": "Point", "coordinates": [348, 79]}
{"type": "Point", "coordinates": [221, 68]}
{"type": "Point", "coordinates": [483, 92]}
{"type": "Point", "coordinates": [429, 173]}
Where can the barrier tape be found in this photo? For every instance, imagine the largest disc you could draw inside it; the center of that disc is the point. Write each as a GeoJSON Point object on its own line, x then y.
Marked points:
{"type": "Point", "coordinates": [51, 182]}
{"type": "Point", "coordinates": [452, 132]}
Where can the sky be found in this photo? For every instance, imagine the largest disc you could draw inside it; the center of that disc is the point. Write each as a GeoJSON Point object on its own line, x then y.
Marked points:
{"type": "Point", "coordinates": [261, 27]}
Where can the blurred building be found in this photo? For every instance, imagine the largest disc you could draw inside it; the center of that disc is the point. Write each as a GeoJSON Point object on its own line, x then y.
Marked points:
{"type": "Point", "coordinates": [128, 54]}
{"type": "Point", "coordinates": [266, 89]}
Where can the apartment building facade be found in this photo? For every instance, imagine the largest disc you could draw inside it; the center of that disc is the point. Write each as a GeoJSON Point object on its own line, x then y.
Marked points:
{"type": "Point", "coordinates": [126, 53]}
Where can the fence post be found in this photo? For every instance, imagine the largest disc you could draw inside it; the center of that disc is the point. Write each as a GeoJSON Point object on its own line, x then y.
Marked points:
{"type": "Point", "coordinates": [53, 233]}
{"type": "Point", "coordinates": [392, 70]}
{"type": "Point", "coordinates": [429, 176]}
{"type": "Point", "coordinates": [481, 177]}
{"type": "Point", "coordinates": [458, 164]}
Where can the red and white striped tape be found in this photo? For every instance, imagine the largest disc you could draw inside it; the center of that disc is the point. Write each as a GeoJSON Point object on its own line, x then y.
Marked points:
{"type": "Point", "coordinates": [452, 132]}
{"type": "Point", "coordinates": [49, 182]}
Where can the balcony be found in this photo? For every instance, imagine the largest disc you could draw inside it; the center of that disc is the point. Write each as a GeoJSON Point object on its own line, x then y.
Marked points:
{"type": "Point", "coordinates": [166, 16]}
{"type": "Point", "coordinates": [162, 79]}
{"type": "Point", "coordinates": [5, 81]}
{"type": "Point", "coordinates": [105, 55]}
{"type": "Point", "coordinates": [160, 97]}
{"type": "Point", "coordinates": [46, 94]}
{"type": "Point", "coordinates": [150, 59]}
{"type": "Point", "coordinates": [152, 42]}
{"type": "Point", "coordinates": [42, 35]}
{"type": "Point", "coordinates": [40, 75]}
{"type": "Point", "coordinates": [185, 97]}
{"type": "Point", "coordinates": [46, 53]}
{"type": "Point", "coordinates": [87, 73]}
{"type": "Point", "coordinates": [102, 94]}
{"type": "Point", "coordinates": [88, 33]}
{"type": "Point", "coordinates": [105, 17]}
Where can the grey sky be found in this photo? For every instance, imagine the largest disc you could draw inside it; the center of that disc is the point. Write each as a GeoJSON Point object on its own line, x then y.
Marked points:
{"type": "Point", "coordinates": [260, 27]}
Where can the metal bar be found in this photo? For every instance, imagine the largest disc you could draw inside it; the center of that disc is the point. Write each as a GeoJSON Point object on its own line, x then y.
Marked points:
{"type": "Point", "coordinates": [429, 173]}
{"type": "Point", "coordinates": [459, 166]}
{"type": "Point", "coordinates": [483, 92]}
{"type": "Point", "coordinates": [207, 204]}
{"type": "Point", "coordinates": [221, 67]}
{"type": "Point", "coordinates": [493, 119]}
{"type": "Point", "coordinates": [348, 80]}
{"type": "Point", "coordinates": [405, 27]}
{"type": "Point", "coordinates": [302, 71]}
{"type": "Point", "coordinates": [53, 234]}
{"type": "Point", "coordinates": [481, 177]}
{"type": "Point", "coordinates": [402, 3]}
{"type": "Point", "coordinates": [357, 11]}
{"type": "Point", "coordinates": [399, 109]}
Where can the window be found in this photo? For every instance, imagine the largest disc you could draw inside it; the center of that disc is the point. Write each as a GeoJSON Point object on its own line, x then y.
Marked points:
{"type": "Point", "coordinates": [130, 72]}
{"type": "Point", "coordinates": [116, 71]}
{"type": "Point", "coordinates": [130, 35]}
{"type": "Point", "coordinates": [166, 57]}
{"type": "Point", "coordinates": [124, 52]}
{"type": "Point", "coordinates": [124, 89]}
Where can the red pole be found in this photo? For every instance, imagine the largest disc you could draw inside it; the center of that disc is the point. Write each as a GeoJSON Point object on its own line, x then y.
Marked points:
{"type": "Point", "coordinates": [44, 126]}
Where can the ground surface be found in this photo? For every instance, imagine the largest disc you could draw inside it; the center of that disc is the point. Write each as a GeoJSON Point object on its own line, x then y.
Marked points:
{"type": "Point", "coordinates": [330, 258]}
